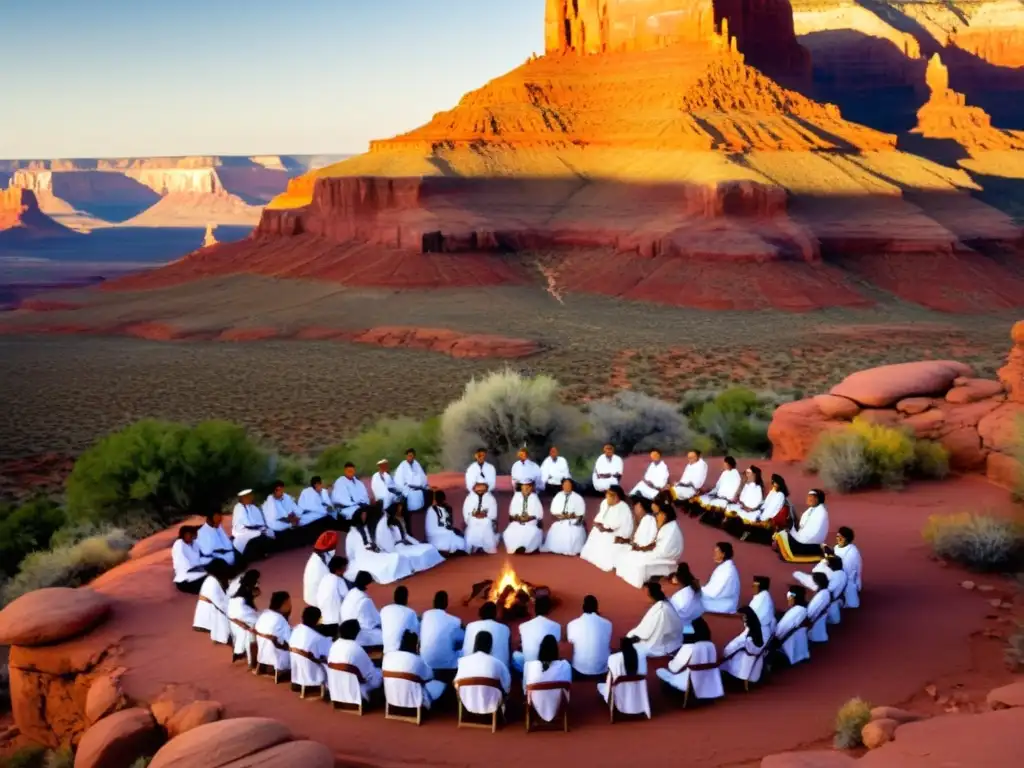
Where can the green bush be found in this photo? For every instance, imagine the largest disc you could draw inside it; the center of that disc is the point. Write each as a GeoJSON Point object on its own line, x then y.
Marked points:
{"type": "Point", "coordinates": [734, 421]}
{"type": "Point", "coordinates": [978, 541]}
{"type": "Point", "coordinates": [163, 471]}
{"type": "Point", "coordinates": [850, 721]}
{"type": "Point", "coordinates": [26, 528]}
{"type": "Point", "coordinates": [504, 411]}
{"type": "Point", "coordinates": [31, 756]}
{"type": "Point", "coordinates": [931, 460]}
{"type": "Point", "coordinates": [635, 423]}
{"type": "Point", "coordinates": [387, 439]}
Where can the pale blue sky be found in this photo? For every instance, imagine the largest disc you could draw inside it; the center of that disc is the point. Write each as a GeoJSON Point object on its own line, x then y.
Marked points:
{"type": "Point", "coordinates": [95, 78]}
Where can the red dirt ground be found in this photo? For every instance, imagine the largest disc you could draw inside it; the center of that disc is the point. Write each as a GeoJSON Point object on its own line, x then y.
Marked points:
{"type": "Point", "coordinates": [916, 626]}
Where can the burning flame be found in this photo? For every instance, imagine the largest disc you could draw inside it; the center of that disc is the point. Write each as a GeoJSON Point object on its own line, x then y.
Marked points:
{"type": "Point", "coordinates": [507, 578]}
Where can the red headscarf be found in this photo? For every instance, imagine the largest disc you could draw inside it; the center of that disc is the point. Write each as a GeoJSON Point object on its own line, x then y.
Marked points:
{"type": "Point", "coordinates": [327, 541]}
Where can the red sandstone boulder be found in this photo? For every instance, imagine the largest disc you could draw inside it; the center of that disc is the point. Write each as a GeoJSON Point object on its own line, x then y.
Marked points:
{"type": "Point", "coordinates": [172, 700]}
{"type": "Point", "coordinates": [910, 406]}
{"type": "Point", "coordinates": [307, 754]}
{"type": "Point", "coordinates": [999, 428]}
{"type": "Point", "coordinates": [884, 417]}
{"type": "Point", "coordinates": [1003, 470]}
{"type": "Point", "coordinates": [105, 696]}
{"type": "Point", "coordinates": [192, 716]}
{"type": "Point", "coordinates": [885, 386]}
{"type": "Point", "coordinates": [795, 428]}
{"type": "Point", "coordinates": [878, 732]}
{"type": "Point", "coordinates": [965, 450]}
{"type": "Point", "coordinates": [1007, 697]}
{"type": "Point", "coordinates": [119, 740]}
{"type": "Point", "coordinates": [219, 744]}
{"type": "Point", "coordinates": [835, 407]}
{"type": "Point", "coordinates": [1011, 375]}
{"type": "Point", "coordinates": [818, 758]}
{"type": "Point", "coordinates": [51, 615]}
{"type": "Point", "coordinates": [973, 390]}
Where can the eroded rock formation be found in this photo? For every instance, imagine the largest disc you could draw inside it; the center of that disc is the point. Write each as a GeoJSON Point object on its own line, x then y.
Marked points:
{"type": "Point", "coordinates": [21, 216]}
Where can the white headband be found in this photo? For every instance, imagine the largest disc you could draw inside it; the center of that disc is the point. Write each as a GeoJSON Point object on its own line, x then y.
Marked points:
{"type": "Point", "coordinates": [790, 594]}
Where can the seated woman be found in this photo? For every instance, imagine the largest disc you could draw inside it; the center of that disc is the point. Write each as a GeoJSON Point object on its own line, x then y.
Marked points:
{"type": "Point", "coordinates": [611, 533]}
{"type": "Point", "coordinates": [660, 557]}
{"type": "Point", "coordinates": [743, 657]}
{"type": "Point", "coordinates": [853, 565]}
{"type": "Point", "coordinates": [748, 505]}
{"type": "Point", "coordinates": [687, 600]}
{"type": "Point", "coordinates": [802, 543]}
{"type": "Point", "coordinates": [660, 632]}
{"type": "Point", "coordinates": [548, 668]}
{"type": "Point", "coordinates": [440, 524]}
{"type": "Point", "coordinates": [817, 609]}
{"type": "Point", "coordinates": [696, 664]}
{"type": "Point", "coordinates": [630, 661]}
{"type": "Point", "coordinates": [211, 613]}
{"type": "Point", "coordinates": [726, 491]}
{"type": "Point", "coordinates": [364, 554]}
{"type": "Point", "coordinates": [721, 594]}
{"type": "Point", "coordinates": [480, 514]}
{"type": "Point", "coordinates": [761, 525]}
{"type": "Point", "coordinates": [566, 535]}
{"type": "Point", "coordinates": [790, 640]}
{"type": "Point", "coordinates": [392, 535]}
{"type": "Point", "coordinates": [242, 613]}
{"type": "Point", "coordinates": [524, 534]}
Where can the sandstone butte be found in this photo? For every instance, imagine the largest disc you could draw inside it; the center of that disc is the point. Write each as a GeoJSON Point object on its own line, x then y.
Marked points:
{"type": "Point", "coordinates": [650, 155]}
{"type": "Point", "coordinates": [21, 216]}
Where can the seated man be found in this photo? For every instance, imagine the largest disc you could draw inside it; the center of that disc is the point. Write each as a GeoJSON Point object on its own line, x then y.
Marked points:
{"type": "Point", "coordinates": [817, 609]}
{"type": "Point", "coordinates": [309, 649]}
{"type": "Point", "coordinates": [282, 515]}
{"type": "Point", "coordinates": [482, 664]}
{"type": "Point", "coordinates": [212, 541]}
{"type": "Point", "coordinates": [189, 571]}
{"type": "Point", "coordinates": [608, 471]}
{"type": "Point", "coordinates": [722, 592]}
{"type": "Point", "coordinates": [501, 637]}
{"type": "Point", "coordinates": [660, 631]}
{"type": "Point", "coordinates": [567, 534]}
{"type": "Point", "coordinates": [481, 471]}
{"type": "Point", "coordinates": [591, 638]}
{"type": "Point", "coordinates": [406, 661]}
{"type": "Point", "coordinates": [358, 606]}
{"type": "Point", "coordinates": [347, 652]}
{"type": "Point", "coordinates": [612, 531]}
{"type": "Point", "coordinates": [791, 632]}
{"type": "Point", "coordinates": [385, 490]}
{"type": "Point", "coordinates": [523, 534]}
{"type": "Point", "coordinates": [441, 636]}
{"type": "Point", "coordinates": [349, 494]}
{"type": "Point", "coordinates": [440, 526]}
{"type": "Point", "coordinates": [480, 514]}
{"type": "Point", "coordinates": [317, 565]}
{"type": "Point", "coordinates": [315, 503]}
{"type": "Point", "coordinates": [525, 470]}
{"type": "Point", "coordinates": [763, 604]}
{"type": "Point", "coordinates": [832, 567]}
{"type": "Point", "coordinates": [655, 478]}
{"type": "Point", "coordinates": [554, 471]}
{"type": "Point", "coordinates": [273, 633]}
{"type": "Point", "coordinates": [695, 474]}
{"type": "Point", "coordinates": [396, 619]}
{"type": "Point", "coordinates": [725, 492]}
{"type": "Point", "coordinates": [253, 537]}
{"type": "Point", "coordinates": [330, 595]}
{"type": "Point", "coordinates": [853, 565]}
{"type": "Point", "coordinates": [532, 632]}
{"type": "Point", "coordinates": [802, 544]}
{"type": "Point", "coordinates": [412, 482]}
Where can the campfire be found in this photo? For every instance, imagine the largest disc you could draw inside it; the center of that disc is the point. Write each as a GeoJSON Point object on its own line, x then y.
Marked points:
{"type": "Point", "coordinates": [511, 594]}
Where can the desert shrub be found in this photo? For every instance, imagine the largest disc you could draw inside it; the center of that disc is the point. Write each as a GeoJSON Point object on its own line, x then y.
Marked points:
{"type": "Point", "coordinates": [69, 565]}
{"type": "Point", "coordinates": [290, 470]}
{"type": "Point", "coordinates": [387, 439]}
{"type": "Point", "coordinates": [26, 528]}
{"type": "Point", "coordinates": [850, 721]}
{"type": "Point", "coordinates": [734, 421]}
{"type": "Point", "coordinates": [59, 758]}
{"type": "Point", "coordinates": [978, 541]}
{"type": "Point", "coordinates": [840, 460]}
{"type": "Point", "coordinates": [504, 411]}
{"type": "Point", "coordinates": [931, 460]}
{"type": "Point", "coordinates": [634, 423]}
{"type": "Point", "coordinates": [164, 471]}
{"type": "Point", "coordinates": [30, 756]}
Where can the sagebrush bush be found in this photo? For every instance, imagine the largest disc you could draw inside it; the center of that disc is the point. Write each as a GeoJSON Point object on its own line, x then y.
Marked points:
{"type": "Point", "coordinates": [635, 423]}
{"type": "Point", "coordinates": [26, 528]}
{"type": "Point", "coordinates": [840, 461]}
{"type": "Point", "coordinates": [931, 460]}
{"type": "Point", "coordinates": [734, 421]}
{"type": "Point", "coordinates": [387, 439]}
{"type": "Point", "coordinates": [850, 721]}
{"type": "Point", "coordinates": [978, 541]}
{"type": "Point", "coordinates": [504, 411]}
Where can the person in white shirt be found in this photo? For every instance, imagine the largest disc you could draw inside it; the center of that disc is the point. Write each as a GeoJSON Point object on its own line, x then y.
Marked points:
{"type": "Point", "coordinates": [696, 665]}
{"type": "Point", "coordinates": [660, 631]}
{"type": "Point", "coordinates": [852, 564]}
{"type": "Point", "coordinates": [481, 471]}
{"type": "Point", "coordinates": [392, 535]}
{"type": "Point", "coordinates": [282, 516]}
{"type": "Point", "coordinates": [243, 615]}
{"type": "Point", "coordinates": [726, 491]}
{"type": "Point", "coordinates": [817, 609]}
{"type": "Point", "coordinates": [743, 656]}
{"type": "Point", "coordinates": [440, 526]}
{"type": "Point", "coordinates": [500, 634]}
{"type": "Point", "coordinates": [630, 661]}
{"type": "Point", "coordinates": [330, 595]}
{"type": "Point", "coordinates": [837, 581]}
{"type": "Point", "coordinates": [790, 641]}
{"type": "Point", "coordinates": [396, 619]}
{"type": "Point", "coordinates": [364, 554]}
{"type": "Point", "coordinates": [482, 663]}
{"type": "Point", "coordinates": [661, 556]}
{"type": "Point", "coordinates": [759, 525]}
{"type": "Point", "coordinates": [441, 636]}
{"type": "Point", "coordinates": [763, 604]}
{"type": "Point", "coordinates": [385, 490]}
{"type": "Point", "coordinates": [187, 562]}
{"type": "Point", "coordinates": [546, 668]}
{"type": "Point", "coordinates": [748, 505]}
{"type": "Point", "coordinates": [802, 544]}
{"type": "Point", "coordinates": [348, 654]}
{"type": "Point", "coordinates": [695, 474]}
{"type": "Point", "coordinates": [309, 649]}
{"type": "Point", "coordinates": [211, 614]}
{"type": "Point", "coordinates": [273, 633]}
{"type": "Point", "coordinates": [315, 503]}
{"type": "Point", "coordinates": [655, 478]}
{"type": "Point", "coordinates": [591, 638]}
{"type": "Point", "coordinates": [566, 536]}
{"type": "Point", "coordinates": [554, 471]}
{"type": "Point", "coordinates": [407, 661]}
{"type": "Point", "coordinates": [480, 514]}
{"type": "Point", "coordinates": [525, 470]}
{"type": "Point", "coordinates": [253, 538]}
{"type": "Point", "coordinates": [349, 494]}
{"type": "Point", "coordinates": [316, 567]}
{"type": "Point", "coordinates": [524, 534]}
{"type": "Point", "coordinates": [213, 542]}
{"type": "Point", "coordinates": [412, 482]}
{"type": "Point", "coordinates": [608, 471]}
{"type": "Point", "coordinates": [612, 531]}
{"type": "Point", "coordinates": [532, 632]}
{"type": "Point", "coordinates": [687, 600]}
{"type": "Point", "coordinates": [722, 592]}
{"type": "Point", "coordinates": [358, 606]}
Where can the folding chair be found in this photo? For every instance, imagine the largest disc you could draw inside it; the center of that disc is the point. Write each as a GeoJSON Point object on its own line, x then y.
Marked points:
{"type": "Point", "coordinates": [616, 682]}
{"type": "Point", "coordinates": [350, 707]}
{"type": "Point", "coordinates": [301, 688]}
{"type": "Point", "coordinates": [689, 683]}
{"type": "Point", "coordinates": [400, 678]}
{"type": "Point", "coordinates": [534, 722]}
{"type": "Point", "coordinates": [280, 675]}
{"type": "Point", "coordinates": [487, 682]}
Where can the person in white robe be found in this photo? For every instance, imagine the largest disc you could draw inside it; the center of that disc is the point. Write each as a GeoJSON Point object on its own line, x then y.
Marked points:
{"type": "Point", "coordinates": [330, 595]}
{"type": "Point", "coordinates": [696, 665]}
{"type": "Point", "coordinates": [687, 601]}
{"type": "Point", "coordinates": [211, 614]}
{"type": "Point", "coordinates": [608, 469]}
{"type": "Point", "coordinates": [763, 605]}
{"type": "Point", "coordinates": [524, 534]}
{"type": "Point", "coordinates": [655, 479]}
{"type": "Point", "coordinates": [837, 581]}
{"type": "Point", "coordinates": [590, 636]}
{"type": "Point", "coordinates": [482, 663]}
{"type": "Point", "coordinates": [661, 556]}
{"type": "Point", "coordinates": [396, 619]}
{"type": "Point", "coordinates": [760, 525]}
{"type": "Point", "coordinates": [274, 633]}
{"type": "Point", "coordinates": [630, 661]}
{"type": "Point", "coordinates": [282, 514]}
{"type": "Point", "coordinates": [412, 482]}
{"type": "Point", "coordinates": [525, 470]}
{"type": "Point", "coordinates": [440, 526]}
{"type": "Point", "coordinates": [500, 634]}
{"type": "Point", "coordinates": [348, 494]}
{"type": "Point", "coordinates": [802, 544]}
{"type": "Point", "coordinates": [253, 538]}
{"type": "Point", "coordinates": [853, 564]}
{"type": "Point", "coordinates": [403, 663]}
{"type": "Point", "coordinates": [567, 534]}
{"type": "Point", "coordinates": [695, 475]}
{"type": "Point", "coordinates": [532, 632]}
{"type": "Point", "coordinates": [743, 657]}
{"type": "Point", "coordinates": [358, 606]}
{"type": "Point", "coordinates": [546, 670]}
{"type": "Point", "coordinates": [351, 673]}
{"type": "Point", "coordinates": [748, 505]}
{"type": "Point", "coordinates": [213, 542]}
{"type": "Point", "coordinates": [554, 471]}
{"type": "Point", "coordinates": [660, 631]}
{"type": "Point", "coordinates": [791, 633]}
{"type": "Point", "coordinates": [726, 491]}
{"type": "Point", "coordinates": [392, 535]}
{"type": "Point", "coordinates": [247, 579]}
{"type": "Point", "coordinates": [365, 555]}
{"type": "Point", "coordinates": [817, 609]}
{"type": "Point", "coordinates": [481, 471]}
{"type": "Point", "coordinates": [315, 502]}
{"type": "Point", "coordinates": [441, 636]}
{"type": "Point", "coordinates": [385, 490]}
{"type": "Point", "coordinates": [189, 571]}
{"type": "Point", "coordinates": [316, 567]}
{"type": "Point", "coordinates": [722, 592]}
{"type": "Point", "coordinates": [612, 531]}
{"type": "Point", "coordinates": [242, 614]}
{"type": "Point", "coordinates": [480, 514]}
{"type": "Point", "coordinates": [308, 649]}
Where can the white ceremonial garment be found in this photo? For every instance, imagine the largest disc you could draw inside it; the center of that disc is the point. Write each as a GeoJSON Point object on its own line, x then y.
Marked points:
{"type": "Point", "coordinates": [817, 616]}
{"type": "Point", "coordinates": [654, 481]}
{"type": "Point", "coordinates": [385, 490]}
{"type": "Point", "coordinates": [480, 532]}
{"type": "Point", "coordinates": [481, 473]}
{"type": "Point", "coordinates": [313, 574]}
{"type": "Point", "coordinates": [526, 472]}
{"type": "Point", "coordinates": [601, 549]}
{"type": "Point", "coordinates": [727, 487]}
{"type": "Point", "coordinates": [637, 568]}
{"type": "Point", "coordinates": [751, 495]}
{"type": "Point", "coordinates": [248, 523]}
{"type": "Point", "coordinates": [441, 637]}
{"type": "Point", "coordinates": [349, 495]}
{"type": "Point", "coordinates": [212, 611]}
{"type": "Point", "coordinates": [566, 537]}
{"type": "Point", "coordinates": [271, 626]}
{"type": "Point", "coordinates": [526, 536]}
{"type": "Point", "coordinates": [242, 637]}
{"type": "Point", "coordinates": [441, 534]}
{"type": "Point", "coordinates": [764, 607]}
{"type": "Point", "coordinates": [660, 631]}
{"type": "Point", "coordinates": [412, 483]}
{"type": "Point", "coordinates": [305, 671]}
{"type": "Point", "coordinates": [395, 621]}
{"type": "Point", "coordinates": [853, 564]}
{"type": "Point", "coordinates": [276, 512]}
{"type": "Point", "coordinates": [607, 466]}
{"type": "Point", "coordinates": [813, 526]}
{"type": "Point", "coordinates": [392, 538]}
{"type": "Point", "coordinates": [531, 635]}
{"type": "Point", "coordinates": [707, 683]}
{"type": "Point", "coordinates": [214, 543]}
{"type": "Point", "coordinates": [645, 531]}
{"type": "Point", "coordinates": [187, 562]}
{"type": "Point", "coordinates": [358, 605]}
{"type": "Point", "coordinates": [234, 585]}
{"type": "Point", "coordinates": [630, 698]}
{"type": "Point", "coordinates": [330, 594]}
{"type": "Point", "coordinates": [482, 699]}
{"type": "Point", "coordinates": [312, 505]}
{"type": "Point", "coordinates": [345, 687]}
{"type": "Point", "coordinates": [692, 481]}
{"type": "Point", "coordinates": [742, 659]}
{"type": "Point", "coordinates": [546, 703]}
{"type": "Point", "coordinates": [792, 634]}
{"type": "Point", "coordinates": [554, 470]}
{"type": "Point", "coordinates": [688, 605]}
{"type": "Point", "coordinates": [591, 638]}
{"type": "Point", "coordinates": [405, 693]}
{"type": "Point", "coordinates": [837, 581]}
{"type": "Point", "coordinates": [500, 635]}
{"type": "Point", "coordinates": [770, 507]}
{"type": "Point", "coordinates": [385, 567]}
{"type": "Point", "coordinates": [722, 592]}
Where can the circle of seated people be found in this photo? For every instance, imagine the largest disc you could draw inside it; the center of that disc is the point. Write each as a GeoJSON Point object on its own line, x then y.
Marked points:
{"type": "Point", "coordinates": [333, 649]}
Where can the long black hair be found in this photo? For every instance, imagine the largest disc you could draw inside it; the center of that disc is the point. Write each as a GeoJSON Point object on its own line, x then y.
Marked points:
{"type": "Point", "coordinates": [701, 631]}
{"type": "Point", "coordinates": [780, 482]}
{"type": "Point", "coordinates": [629, 655]}
{"type": "Point", "coordinates": [753, 625]}
{"type": "Point", "coordinates": [686, 578]}
{"type": "Point", "coordinates": [756, 472]}
{"type": "Point", "coordinates": [548, 653]}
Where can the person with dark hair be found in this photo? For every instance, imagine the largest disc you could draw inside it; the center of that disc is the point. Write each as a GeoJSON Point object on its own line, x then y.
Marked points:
{"type": "Point", "coordinates": [790, 638]}
{"type": "Point", "coordinates": [607, 473]}
{"type": "Point", "coordinates": [748, 505]}
{"type": "Point", "coordinates": [366, 553]}
{"type": "Point", "coordinates": [187, 562]}
{"type": "Point", "coordinates": [481, 471]}
{"type": "Point", "coordinates": [743, 657]}
{"type": "Point", "coordinates": [853, 565]}
{"type": "Point", "coordinates": [817, 609]}
{"type": "Point", "coordinates": [532, 632]}
{"type": "Point", "coordinates": [695, 475]}
{"type": "Point", "coordinates": [525, 470]}
{"type": "Point", "coordinates": [253, 538]}
{"type": "Point", "coordinates": [397, 618]}
{"type": "Point", "coordinates": [591, 637]}
{"type": "Point", "coordinates": [245, 580]}
{"type": "Point", "coordinates": [385, 491]}
{"type": "Point", "coordinates": [726, 491]}
{"type": "Point", "coordinates": [554, 471]}
{"type": "Point", "coordinates": [837, 581]}
{"type": "Point", "coordinates": [696, 665]}
{"type": "Point", "coordinates": [546, 669]}
{"type": "Point", "coordinates": [660, 631]}
{"type": "Point", "coordinates": [480, 513]}
{"type": "Point", "coordinates": [213, 542]}
{"type": "Point", "coordinates": [721, 594]}
{"type": "Point", "coordinates": [358, 606]}
{"type": "Point", "coordinates": [283, 516]}
{"type": "Point", "coordinates": [482, 663]}
{"type": "Point", "coordinates": [687, 601]}
{"type": "Point", "coordinates": [655, 479]}
{"type": "Point", "coordinates": [567, 534]}
{"type": "Point", "coordinates": [392, 535]}
{"type": "Point", "coordinates": [330, 595]}
{"type": "Point", "coordinates": [763, 604]}
{"type": "Point", "coordinates": [660, 557]}
{"type": "Point", "coordinates": [412, 483]}
{"type": "Point", "coordinates": [273, 633]}
{"type": "Point", "coordinates": [759, 524]}
{"type": "Point", "coordinates": [524, 533]}
{"type": "Point", "coordinates": [441, 636]}
{"type": "Point", "coordinates": [440, 526]}
{"type": "Point", "coordinates": [645, 527]}
{"type": "Point", "coordinates": [211, 613]}
{"type": "Point", "coordinates": [802, 543]}
{"type": "Point", "coordinates": [349, 494]}
{"type": "Point", "coordinates": [348, 654]}
{"type": "Point", "coordinates": [243, 615]}
{"type": "Point", "coordinates": [630, 661]}
{"type": "Point", "coordinates": [317, 566]}
{"type": "Point", "coordinates": [309, 649]}
{"type": "Point", "coordinates": [612, 532]}
{"type": "Point", "coordinates": [405, 662]}
{"type": "Point", "coordinates": [500, 635]}
{"type": "Point", "coordinates": [315, 505]}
